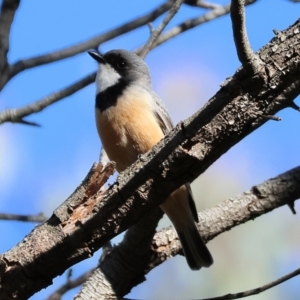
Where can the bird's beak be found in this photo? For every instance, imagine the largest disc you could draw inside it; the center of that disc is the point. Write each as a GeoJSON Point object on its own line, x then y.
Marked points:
{"type": "Point", "coordinates": [97, 56]}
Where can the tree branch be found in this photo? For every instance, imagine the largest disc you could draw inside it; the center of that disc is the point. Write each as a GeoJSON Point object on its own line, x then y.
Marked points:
{"type": "Point", "coordinates": [257, 290]}
{"type": "Point", "coordinates": [8, 10]}
{"type": "Point", "coordinates": [25, 218]}
{"type": "Point", "coordinates": [192, 23]}
{"type": "Point", "coordinates": [130, 258]}
{"type": "Point", "coordinates": [154, 34]}
{"type": "Point", "coordinates": [201, 4]}
{"type": "Point", "coordinates": [230, 213]}
{"type": "Point", "coordinates": [69, 285]}
{"type": "Point", "coordinates": [244, 51]}
{"type": "Point", "coordinates": [16, 115]}
{"type": "Point", "coordinates": [91, 43]}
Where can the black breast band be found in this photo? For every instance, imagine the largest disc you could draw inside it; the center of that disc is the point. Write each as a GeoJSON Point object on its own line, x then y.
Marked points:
{"type": "Point", "coordinates": [109, 97]}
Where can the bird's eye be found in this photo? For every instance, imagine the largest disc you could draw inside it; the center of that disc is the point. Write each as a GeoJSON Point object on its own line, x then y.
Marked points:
{"type": "Point", "coordinates": [121, 64]}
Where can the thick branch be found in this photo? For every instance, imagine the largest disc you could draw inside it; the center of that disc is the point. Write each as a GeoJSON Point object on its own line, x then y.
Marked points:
{"type": "Point", "coordinates": [125, 266]}
{"type": "Point", "coordinates": [16, 115]}
{"type": "Point", "coordinates": [91, 43]}
{"type": "Point", "coordinates": [88, 220]}
{"type": "Point", "coordinates": [230, 213]}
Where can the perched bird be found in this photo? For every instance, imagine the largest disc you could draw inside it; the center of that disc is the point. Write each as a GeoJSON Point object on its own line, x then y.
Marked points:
{"type": "Point", "coordinates": [130, 120]}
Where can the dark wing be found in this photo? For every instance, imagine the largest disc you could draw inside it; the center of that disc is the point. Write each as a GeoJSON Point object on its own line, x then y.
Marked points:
{"type": "Point", "coordinates": [192, 203]}
{"type": "Point", "coordinates": [166, 125]}
{"type": "Point", "coordinates": [162, 115]}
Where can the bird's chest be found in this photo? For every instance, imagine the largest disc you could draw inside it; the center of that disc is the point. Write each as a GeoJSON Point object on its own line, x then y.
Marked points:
{"type": "Point", "coordinates": [128, 129]}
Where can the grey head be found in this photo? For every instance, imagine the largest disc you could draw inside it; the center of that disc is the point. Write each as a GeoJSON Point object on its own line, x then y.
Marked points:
{"type": "Point", "coordinates": [120, 68]}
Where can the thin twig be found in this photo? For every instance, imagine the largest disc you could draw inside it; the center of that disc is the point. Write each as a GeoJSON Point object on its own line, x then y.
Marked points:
{"type": "Point", "coordinates": [257, 290]}
{"type": "Point", "coordinates": [91, 43]}
{"type": "Point", "coordinates": [271, 117]}
{"type": "Point", "coordinates": [70, 284]}
{"type": "Point", "coordinates": [192, 23]}
{"type": "Point", "coordinates": [25, 218]}
{"type": "Point", "coordinates": [16, 115]}
{"type": "Point", "coordinates": [245, 53]}
{"type": "Point", "coordinates": [156, 32]}
{"type": "Point", "coordinates": [201, 4]}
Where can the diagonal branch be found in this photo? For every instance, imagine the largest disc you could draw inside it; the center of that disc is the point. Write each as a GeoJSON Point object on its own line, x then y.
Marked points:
{"type": "Point", "coordinates": [8, 10]}
{"type": "Point", "coordinates": [156, 32]}
{"type": "Point", "coordinates": [70, 284]}
{"type": "Point", "coordinates": [244, 51]}
{"type": "Point", "coordinates": [89, 218]}
{"type": "Point", "coordinates": [16, 115]}
{"type": "Point", "coordinates": [257, 290]}
{"type": "Point", "coordinates": [130, 258]}
{"type": "Point", "coordinates": [192, 23]}
{"type": "Point", "coordinates": [91, 43]}
{"type": "Point", "coordinates": [230, 213]}
{"type": "Point", "coordinates": [165, 244]}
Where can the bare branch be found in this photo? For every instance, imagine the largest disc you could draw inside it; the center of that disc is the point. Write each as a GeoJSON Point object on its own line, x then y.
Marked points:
{"type": "Point", "coordinates": [130, 258]}
{"type": "Point", "coordinates": [295, 106]}
{"type": "Point", "coordinates": [25, 218]}
{"type": "Point", "coordinates": [201, 4]}
{"type": "Point", "coordinates": [257, 290]}
{"type": "Point", "coordinates": [91, 43]}
{"type": "Point", "coordinates": [192, 23]}
{"type": "Point", "coordinates": [8, 10]}
{"type": "Point", "coordinates": [165, 245]}
{"type": "Point", "coordinates": [244, 51]}
{"type": "Point", "coordinates": [16, 115]}
{"type": "Point", "coordinates": [156, 32]}
{"type": "Point", "coordinates": [69, 285]}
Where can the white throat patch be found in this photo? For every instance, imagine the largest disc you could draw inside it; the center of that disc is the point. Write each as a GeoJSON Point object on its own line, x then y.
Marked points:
{"type": "Point", "coordinates": [106, 77]}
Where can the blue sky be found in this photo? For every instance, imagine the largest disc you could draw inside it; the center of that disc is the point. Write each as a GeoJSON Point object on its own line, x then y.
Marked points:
{"type": "Point", "coordinates": [40, 167]}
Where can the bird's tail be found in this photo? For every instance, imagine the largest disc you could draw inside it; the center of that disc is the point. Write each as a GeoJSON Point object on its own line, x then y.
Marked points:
{"type": "Point", "coordinates": [181, 210]}
{"type": "Point", "coordinates": [196, 253]}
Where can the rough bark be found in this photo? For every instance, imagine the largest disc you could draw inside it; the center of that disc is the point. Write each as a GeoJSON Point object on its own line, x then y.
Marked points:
{"type": "Point", "coordinates": [105, 282]}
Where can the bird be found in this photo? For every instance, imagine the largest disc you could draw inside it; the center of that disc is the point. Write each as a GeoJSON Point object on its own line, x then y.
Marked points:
{"type": "Point", "coordinates": [130, 120]}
